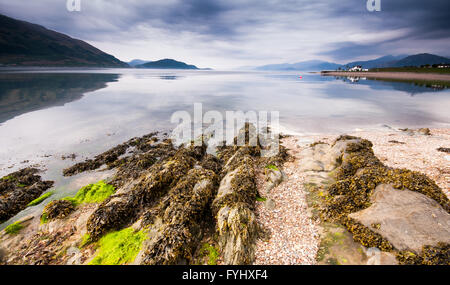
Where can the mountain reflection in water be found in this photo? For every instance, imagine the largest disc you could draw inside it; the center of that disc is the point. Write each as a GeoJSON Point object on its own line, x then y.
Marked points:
{"type": "Point", "coordinates": [22, 93]}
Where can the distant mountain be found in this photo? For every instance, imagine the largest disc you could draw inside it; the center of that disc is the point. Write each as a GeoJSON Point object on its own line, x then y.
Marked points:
{"type": "Point", "coordinates": [26, 44]}
{"type": "Point", "coordinates": [166, 64]}
{"type": "Point", "coordinates": [135, 62]}
{"type": "Point", "coordinates": [311, 65]}
{"type": "Point", "coordinates": [420, 59]}
{"type": "Point", "coordinates": [401, 61]}
{"type": "Point", "coordinates": [384, 61]}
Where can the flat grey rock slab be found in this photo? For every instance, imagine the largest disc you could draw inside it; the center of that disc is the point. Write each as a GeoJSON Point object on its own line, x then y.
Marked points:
{"type": "Point", "coordinates": [408, 219]}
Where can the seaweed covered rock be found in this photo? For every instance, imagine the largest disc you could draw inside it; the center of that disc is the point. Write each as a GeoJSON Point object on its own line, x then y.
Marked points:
{"type": "Point", "coordinates": [430, 255]}
{"type": "Point", "coordinates": [115, 212]}
{"type": "Point", "coordinates": [168, 193]}
{"type": "Point", "coordinates": [18, 189]}
{"type": "Point", "coordinates": [123, 208]}
{"type": "Point", "coordinates": [233, 207]}
{"type": "Point", "coordinates": [392, 209]}
{"type": "Point", "coordinates": [238, 230]}
{"type": "Point", "coordinates": [104, 158]}
{"type": "Point", "coordinates": [57, 209]}
{"type": "Point", "coordinates": [112, 157]}
{"type": "Point", "coordinates": [178, 227]}
{"type": "Point", "coordinates": [145, 155]}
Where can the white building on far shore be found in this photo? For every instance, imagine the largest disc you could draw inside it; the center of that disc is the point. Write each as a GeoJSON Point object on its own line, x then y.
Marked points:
{"type": "Point", "coordinates": [358, 68]}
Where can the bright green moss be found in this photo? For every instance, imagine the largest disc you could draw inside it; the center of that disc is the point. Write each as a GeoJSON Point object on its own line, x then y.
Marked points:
{"type": "Point", "coordinates": [86, 239]}
{"type": "Point", "coordinates": [9, 177]}
{"type": "Point", "coordinates": [260, 199]}
{"type": "Point", "coordinates": [92, 193]}
{"type": "Point", "coordinates": [211, 252]}
{"type": "Point", "coordinates": [119, 247]}
{"type": "Point", "coordinates": [40, 199]}
{"type": "Point", "coordinates": [14, 228]}
{"type": "Point", "coordinates": [44, 218]}
{"type": "Point", "coordinates": [273, 167]}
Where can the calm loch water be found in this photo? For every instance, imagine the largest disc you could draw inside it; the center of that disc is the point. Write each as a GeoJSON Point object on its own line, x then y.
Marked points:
{"type": "Point", "coordinates": [45, 114]}
{"type": "Point", "coordinates": [49, 113]}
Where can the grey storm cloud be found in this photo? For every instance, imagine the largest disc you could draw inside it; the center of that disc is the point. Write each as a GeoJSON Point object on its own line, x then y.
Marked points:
{"type": "Point", "coordinates": [234, 32]}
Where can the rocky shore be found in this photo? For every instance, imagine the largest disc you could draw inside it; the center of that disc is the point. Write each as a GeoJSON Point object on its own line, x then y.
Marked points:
{"type": "Point", "coordinates": [321, 200]}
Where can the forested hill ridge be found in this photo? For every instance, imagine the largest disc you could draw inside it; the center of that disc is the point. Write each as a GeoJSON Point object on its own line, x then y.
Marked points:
{"type": "Point", "coordinates": [166, 63]}
{"type": "Point", "coordinates": [26, 44]}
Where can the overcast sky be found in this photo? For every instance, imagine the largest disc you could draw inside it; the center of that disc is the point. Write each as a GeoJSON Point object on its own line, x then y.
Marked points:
{"type": "Point", "coordinates": [225, 34]}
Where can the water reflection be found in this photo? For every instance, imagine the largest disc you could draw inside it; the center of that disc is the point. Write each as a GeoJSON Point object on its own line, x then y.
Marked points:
{"type": "Point", "coordinates": [411, 87]}
{"type": "Point", "coordinates": [169, 77]}
{"type": "Point", "coordinates": [22, 93]}
{"type": "Point", "coordinates": [115, 107]}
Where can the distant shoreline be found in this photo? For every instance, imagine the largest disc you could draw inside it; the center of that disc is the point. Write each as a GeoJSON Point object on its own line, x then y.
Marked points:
{"type": "Point", "coordinates": [392, 75]}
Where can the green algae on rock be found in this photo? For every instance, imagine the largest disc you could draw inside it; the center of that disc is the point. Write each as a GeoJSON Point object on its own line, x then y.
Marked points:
{"type": "Point", "coordinates": [92, 193]}
{"type": "Point", "coordinates": [40, 199]}
{"type": "Point", "coordinates": [14, 228]}
{"type": "Point", "coordinates": [211, 252]}
{"type": "Point", "coordinates": [119, 247]}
